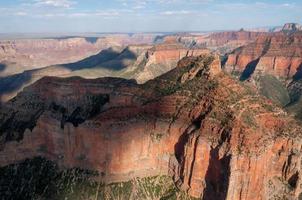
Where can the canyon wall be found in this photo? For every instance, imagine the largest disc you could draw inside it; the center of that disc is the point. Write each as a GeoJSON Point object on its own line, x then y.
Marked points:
{"type": "Point", "coordinates": [278, 54]}
{"type": "Point", "coordinates": [217, 138]}
{"type": "Point", "coordinates": [20, 55]}
{"type": "Point", "coordinates": [221, 42]}
{"type": "Point", "coordinates": [139, 62]}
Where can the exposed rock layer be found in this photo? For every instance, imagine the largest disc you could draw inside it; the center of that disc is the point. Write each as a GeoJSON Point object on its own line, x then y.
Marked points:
{"type": "Point", "coordinates": [140, 62]}
{"type": "Point", "coordinates": [278, 54]}
{"type": "Point", "coordinates": [221, 42]}
{"type": "Point", "coordinates": [213, 135]}
{"type": "Point", "coordinates": [20, 55]}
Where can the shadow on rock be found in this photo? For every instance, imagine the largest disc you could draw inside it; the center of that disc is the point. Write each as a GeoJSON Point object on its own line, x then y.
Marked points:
{"type": "Point", "coordinates": [249, 70]}
{"type": "Point", "coordinates": [298, 74]}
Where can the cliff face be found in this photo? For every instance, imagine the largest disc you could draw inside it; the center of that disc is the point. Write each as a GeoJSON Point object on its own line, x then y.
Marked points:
{"type": "Point", "coordinates": [221, 42]}
{"type": "Point", "coordinates": [214, 136]}
{"type": "Point", "coordinates": [278, 54]}
{"type": "Point", "coordinates": [243, 36]}
{"type": "Point", "coordinates": [140, 62]}
{"type": "Point", "coordinates": [273, 65]}
{"type": "Point", "coordinates": [163, 58]}
{"type": "Point", "coordinates": [20, 55]}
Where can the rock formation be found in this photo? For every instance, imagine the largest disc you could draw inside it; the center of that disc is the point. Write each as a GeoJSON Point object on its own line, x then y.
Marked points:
{"type": "Point", "coordinates": [221, 42]}
{"type": "Point", "coordinates": [273, 65]}
{"type": "Point", "coordinates": [277, 54]}
{"type": "Point", "coordinates": [216, 137]}
{"type": "Point", "coordinates": [140, 62]}
{"type": "Point", "coordinates": [20, 55]}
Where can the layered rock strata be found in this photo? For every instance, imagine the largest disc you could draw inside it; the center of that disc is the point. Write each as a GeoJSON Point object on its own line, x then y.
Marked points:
{"type": "Point", "coordinates": [213, 135]}
{"type": "Point", "coordinates": [278, 54]}
{"type": "Point", "coordinates": [139, 62]}
{"type": "Point", "coordinates": [20, 55]}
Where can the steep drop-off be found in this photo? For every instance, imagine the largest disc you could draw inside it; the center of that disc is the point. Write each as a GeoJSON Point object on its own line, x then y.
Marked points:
{"type": "Point", "coordinates": [214, 136]}
{"type": "Point", "coordinates": [273, 64]}
{"type": "Point", "coordinates": [278, 54]}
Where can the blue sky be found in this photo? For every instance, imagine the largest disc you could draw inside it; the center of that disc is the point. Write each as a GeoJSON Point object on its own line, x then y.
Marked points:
{"type": "Point", "coordinates": [20, 16]}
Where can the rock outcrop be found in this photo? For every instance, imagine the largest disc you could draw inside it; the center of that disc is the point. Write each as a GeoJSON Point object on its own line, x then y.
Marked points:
{"type": "Point", "coordinates": [278, 54]}
{"type": "Point", "coordinates": [216, 137]}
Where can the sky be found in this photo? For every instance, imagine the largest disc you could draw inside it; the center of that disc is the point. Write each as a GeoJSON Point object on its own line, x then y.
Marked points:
{"type": "Point", "coordinates": [63, 16]}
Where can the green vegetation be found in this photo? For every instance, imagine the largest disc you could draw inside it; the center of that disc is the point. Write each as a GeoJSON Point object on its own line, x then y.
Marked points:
{"type": "Point", "coordinates": [273, 89]}
{"type": "Point", "coordinates": [224, 116]}
{"type": "Point", "coordinates": [248, 118]}
{"type": "Point", "coordinates": [296, 108]}
{"type": "Point", "coordinates": [156, 137]}
{"type": "Point", "coordinates": [42, 179]}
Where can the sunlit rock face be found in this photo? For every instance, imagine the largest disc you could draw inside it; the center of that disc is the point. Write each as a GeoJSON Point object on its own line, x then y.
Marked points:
{"type": "Point", "coordinates": [278, 54]}
{"type": "Point", "coordinates": [215, 137]}
{"type": "Point", "coordinates": [272, 64]}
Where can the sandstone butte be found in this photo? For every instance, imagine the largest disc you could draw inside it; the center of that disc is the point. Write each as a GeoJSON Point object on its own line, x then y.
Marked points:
{"type": "Point", "coordinates": [277, 54]}
{"type": "Point", "coordinates": [213, 135]}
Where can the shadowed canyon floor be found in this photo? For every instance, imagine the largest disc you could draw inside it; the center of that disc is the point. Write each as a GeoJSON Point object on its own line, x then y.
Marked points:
{"type": "Point", "coordinates": [214, 136]}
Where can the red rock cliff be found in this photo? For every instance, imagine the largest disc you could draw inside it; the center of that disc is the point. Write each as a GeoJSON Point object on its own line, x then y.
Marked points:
{"type": "Point", "coordinates": [278, 54]}
{"type": "Point", "coordinates": [222, 42]}
{"type": "Point", "coordinates": [214, 136]}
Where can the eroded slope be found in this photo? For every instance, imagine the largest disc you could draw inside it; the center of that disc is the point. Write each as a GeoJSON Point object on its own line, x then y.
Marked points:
{"type": "Point", "coordinates": [214, 136]}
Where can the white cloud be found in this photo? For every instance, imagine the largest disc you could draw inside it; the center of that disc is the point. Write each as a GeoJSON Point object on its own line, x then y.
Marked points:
{"type": "Point", "coordinates": [177, 12]}
{"type": "Point", "coordinates": [21, 13]}
{"type": "Point", "coordinates": [55, 3]}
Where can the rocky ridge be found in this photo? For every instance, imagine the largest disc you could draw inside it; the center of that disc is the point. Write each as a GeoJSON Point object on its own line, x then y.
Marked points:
{"type": "Point", "coordinates": [216, 137]}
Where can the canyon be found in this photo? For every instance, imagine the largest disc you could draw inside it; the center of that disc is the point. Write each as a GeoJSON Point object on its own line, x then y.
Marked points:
{"type": "Point", "coordinates": [139, 62]}
{"type": "Point", "coordinates": [18, 55]}
{"type": "Point", "coordinates": [216, 137]}
{"type": "Point", "coordinates": [175, 116]}
{"type": "Point", "coordinates": [273, 65]}
{"type": "Point", "coordinates": [277, 54]}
